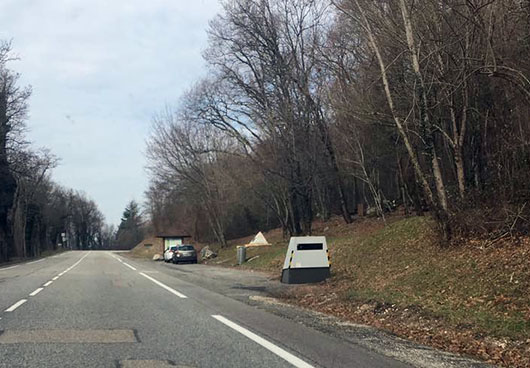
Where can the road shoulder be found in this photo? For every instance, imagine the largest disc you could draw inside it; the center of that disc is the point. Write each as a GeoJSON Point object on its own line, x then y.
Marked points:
{"type": "Point", "coordinates": [260, 290]}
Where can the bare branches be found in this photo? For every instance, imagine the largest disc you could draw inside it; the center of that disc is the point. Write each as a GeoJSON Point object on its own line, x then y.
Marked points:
{"type": "Point", "coordinates": [325, 102]}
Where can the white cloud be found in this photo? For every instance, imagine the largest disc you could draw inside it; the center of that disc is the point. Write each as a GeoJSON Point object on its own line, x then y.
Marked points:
{"type": "Point", "coordinates": [99, 70]}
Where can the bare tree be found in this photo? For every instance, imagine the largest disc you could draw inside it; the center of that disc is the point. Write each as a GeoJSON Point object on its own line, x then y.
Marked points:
{"type": "Point", "coordinates": [13, 108]}
{"type": "Point", "coordinates": [184, 153]}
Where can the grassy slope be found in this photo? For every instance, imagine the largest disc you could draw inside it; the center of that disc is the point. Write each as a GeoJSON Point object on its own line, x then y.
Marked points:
{"type": "Point", "coordinates": [472, 287]}
{"type": "Point", "coordinates": [141, 251]}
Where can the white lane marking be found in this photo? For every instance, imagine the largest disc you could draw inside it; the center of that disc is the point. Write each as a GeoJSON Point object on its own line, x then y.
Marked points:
{"type": "Point", "coordinates": [62, 273]}
{"type": "Point", "coordinates": [173, 291]}
{"type": "Point", "coordinates": [72, 266]}
{"type": "Point", "coordinates": [22, 301]}
{"type": "Point", "coordinates": [128, 265]}
{"type": "Point", "coordinates": [36, 291]}
{"type": "Point", "coordinates": [75, 264]}
{"type": "Point", "coordinates": [40, 260]}
{"type": "Point", "coordinates": [295, 361]}
{"type": "Point", "coordinates": [8, 268]}
{"type": "Point", "coordinates": [16, 305]}
{"type": "Point", "coordinates": [124, 263]}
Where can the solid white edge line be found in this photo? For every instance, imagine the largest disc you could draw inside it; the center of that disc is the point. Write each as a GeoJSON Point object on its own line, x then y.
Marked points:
{"type": "Point", "coordinates": [40, 260]}
{"type": "Point", "coordinates": [295, 361]}
{"type": "Point", "coordinates": [36, 291]}
{"type": "Point", "coordinates": [173, 291]}
{"type": "Point", "coordinates": [128, 265]}
{"type": "Point", "coordinates": [9, 268]}
{"type": "Point", "coordinates": [48, 283]}
{"type": "Point", "coordinates": [75, 264]}
{"type": "Point", "coordinates": [16, 305]}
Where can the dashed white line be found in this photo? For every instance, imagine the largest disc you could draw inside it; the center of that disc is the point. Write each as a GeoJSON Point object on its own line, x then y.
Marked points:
{"type": "Point", "coordinates": [16, 305]}
{"type": "Point", "coordinates": [128, 265]}
{"type": "Point", "coordinates": [173, 291]}
{"type": "Point", "coordinates": [295, 361]}
{"type": "Point", "coordinates": [36, 291]}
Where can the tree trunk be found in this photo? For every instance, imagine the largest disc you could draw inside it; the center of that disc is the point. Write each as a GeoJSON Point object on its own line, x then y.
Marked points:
{"type": "Point", "coordinates": [336, 174]}
{"type": "Point", "coordinates": [438, 180]}
{"type": "Point", "coordinates": [19, 228]}
{"type": "Point", "coordinates": [459, 164]}
{"type": "Point", "coordinates": [401, 130]}
{"type": "Point", "coordinates": [8, 188]}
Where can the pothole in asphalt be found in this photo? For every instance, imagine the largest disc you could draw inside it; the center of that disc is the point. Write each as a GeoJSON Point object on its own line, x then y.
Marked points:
{"type": "Point", "coordinates": [67, 336]}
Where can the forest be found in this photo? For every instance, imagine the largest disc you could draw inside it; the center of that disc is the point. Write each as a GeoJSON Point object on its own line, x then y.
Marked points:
{"type": "Point", "coordinates": [315, 108]}
{"type": "Point", "coordinates": [37, 214]}
{"type": "Point", "coordinates": [309, 109]}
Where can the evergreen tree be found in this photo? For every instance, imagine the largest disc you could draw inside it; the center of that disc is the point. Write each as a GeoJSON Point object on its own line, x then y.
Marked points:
{"type": "Point", "coordinates": [130, 231]}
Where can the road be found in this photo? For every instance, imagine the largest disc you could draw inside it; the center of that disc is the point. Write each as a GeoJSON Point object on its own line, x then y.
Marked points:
{"type": "Point", "coordinates": [99, 309]}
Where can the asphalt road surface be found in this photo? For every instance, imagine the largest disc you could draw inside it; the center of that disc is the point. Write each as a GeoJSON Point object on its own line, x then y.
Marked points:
{"type": "Point", "coordinates": [99, 309]}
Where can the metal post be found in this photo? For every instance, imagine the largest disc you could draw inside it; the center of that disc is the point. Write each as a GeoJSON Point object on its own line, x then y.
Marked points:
{"type": "Point", "coordinates": [241, 254]}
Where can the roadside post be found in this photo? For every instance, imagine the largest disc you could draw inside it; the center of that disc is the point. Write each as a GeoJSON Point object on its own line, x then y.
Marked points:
{"type": "Point", "coordinates": [241, 254]}
{"type": "Point", "coordinates": [306, 261]}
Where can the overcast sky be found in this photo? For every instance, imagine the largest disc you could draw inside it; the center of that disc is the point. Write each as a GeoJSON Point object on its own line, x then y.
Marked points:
{"type": "Point", "coordinates": [100, 69]}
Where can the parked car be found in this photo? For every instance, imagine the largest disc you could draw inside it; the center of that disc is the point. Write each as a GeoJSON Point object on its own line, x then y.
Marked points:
{"type": "Point", "coordinates": [168, 254]}
{"type": "Point", "coordinates": [185, 253]}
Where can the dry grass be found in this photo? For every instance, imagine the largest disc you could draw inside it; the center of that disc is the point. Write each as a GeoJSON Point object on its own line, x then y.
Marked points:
{"type": "Point", "coordinates": [469, 299]}
{"type": "Point", "coordinates": [143, 251]}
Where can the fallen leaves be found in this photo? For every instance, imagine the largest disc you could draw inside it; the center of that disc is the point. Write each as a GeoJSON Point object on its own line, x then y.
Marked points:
{"type": "Point", "coordinates": [414, 323]}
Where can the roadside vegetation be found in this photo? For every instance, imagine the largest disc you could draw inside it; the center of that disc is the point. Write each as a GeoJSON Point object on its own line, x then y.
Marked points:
{"type": "Point", "coordinates": [314, 114]}
{"type": "Point", "coordinates": [310, 109]}
{"type": "Point", "coordinates": [37, 215]}
{"type": "Point", "coordinates": [471, 299]}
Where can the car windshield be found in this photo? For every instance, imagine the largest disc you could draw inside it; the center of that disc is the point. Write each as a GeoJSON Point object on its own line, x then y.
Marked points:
{"type": "Point", "coordinates": [186, 247]}
{"type": "Point", "coordinates": [173, 248]}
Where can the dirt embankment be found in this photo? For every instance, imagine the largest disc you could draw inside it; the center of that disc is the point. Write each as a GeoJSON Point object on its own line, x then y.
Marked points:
{"type": "Point", "coordinates": [473, 299]}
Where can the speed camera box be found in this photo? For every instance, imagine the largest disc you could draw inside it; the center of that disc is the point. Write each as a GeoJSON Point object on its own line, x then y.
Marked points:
{"type": "Point", "coordinates": [306, 261]}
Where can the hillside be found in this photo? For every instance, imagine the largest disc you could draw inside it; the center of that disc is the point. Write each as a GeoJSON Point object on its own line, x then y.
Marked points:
{"type": "Point", "coordinates": [147, 248]}
{"type": "Point", "coordinates": [471, 299]}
